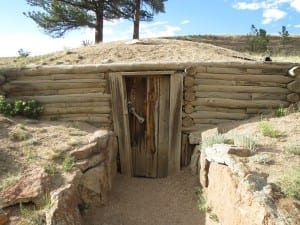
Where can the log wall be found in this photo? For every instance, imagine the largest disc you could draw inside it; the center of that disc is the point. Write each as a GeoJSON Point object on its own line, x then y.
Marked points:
{"type": "Point", "coordinates": [219, 93]}
{"type": "Point", "coordinates": [214, 93]}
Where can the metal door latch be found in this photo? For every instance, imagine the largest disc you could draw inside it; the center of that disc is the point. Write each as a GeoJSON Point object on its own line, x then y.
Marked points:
{"type": "Point", "coordinates": [131, 109]}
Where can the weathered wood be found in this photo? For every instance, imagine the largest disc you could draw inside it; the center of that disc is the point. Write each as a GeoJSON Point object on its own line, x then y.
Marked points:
{"type": "Point", "coordinates": [258, 110]}
{"type": "Point", "coordinates": [213, 121]}
{"type": "Point", "coordinates": [189, 96]}
{"type": "Point", "coordinates": [163, 129]}
{"type": "Point", "coordinates": [229, 70]}
{"type": "Point", "coordinates": [186, 150]}
{"type": "Point", "coordinates": [189, 82]}
{"type": "Point", "coordinates": [148, 73]}
{"type": "Point", "coordinates": [2, 79]}
{"type": "Point", "coordinates": [202, 107]}
{"type": "Point", "coordinates": [188, 108]}
{"type": "Point", "coordinates": [66, 76]}
{"type": "Point", "coordinates": [293, 97]}
{"type": "Point", "coordinates": [237, 83]}
{"type": "Point", "coordinates": [71, 98]}
{"type": "Point", "coordinates": [120, 119]}
{"type": "Point", "coordinates": [78, 109]}
{"type": "Point", "coordinates": [246, 77]}
{"type": "Point", "coordinates": [242, 96]}
{"type": "Point", "coordinates": [294, 72]}
{"type": "Point", "coordinates": [230, 103]}
{"type": "Point", "coordinates": [57, 92]}
{"type": "Point", "coordinates": [240, 89]}
{"type": "Point", "coordinates": [198, 127]}
{"type": "Point", "coordinates": [79, 117]}
{"type": "Point", "coordinates": [293, 86]}
{"type": "Point", "coordinates": [78, 104]}
{"type": "Point", "coordinates": [187, 121]}
{"type": "Point", "coordinates": [176, 96]}
{"type": "Point", "coordinates": [268, 96]}
{"type": "Point", "coordinates": [218, 115]}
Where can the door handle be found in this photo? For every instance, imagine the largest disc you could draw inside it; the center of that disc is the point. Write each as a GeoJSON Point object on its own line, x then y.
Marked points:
{"type": "Point", "coordinates": [131, 109]}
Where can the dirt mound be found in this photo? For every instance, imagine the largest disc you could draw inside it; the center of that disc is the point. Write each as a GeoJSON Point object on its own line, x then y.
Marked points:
{"type": "Point", "coordinates": [148, 50]}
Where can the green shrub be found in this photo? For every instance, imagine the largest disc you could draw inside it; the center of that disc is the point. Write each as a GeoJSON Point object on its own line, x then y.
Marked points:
{"type": "Point", "coordinates": [211, 140]}
{"type": "Point", "coordinates": [68, 164]}
{"type": "Point", "coordinates": [290, 184]}
{"type": "Point", "coordinates": [245, 140]}
{"type": "Point", "coordinates": [201, 200]}
{"type": "Point", "coordinates": [29, 108]}
{"type": "Point", "coordinates": [281, 112]}
{"type": "Point", "coordinates": [268, 129]}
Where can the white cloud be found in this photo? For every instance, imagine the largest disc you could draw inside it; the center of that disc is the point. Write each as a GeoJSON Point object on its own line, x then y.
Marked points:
{"type": "Point", "coordinates": [272, 15]}
{"type": "Point", "coordinates": [297, 26]}
{"type": "Point", "coordinates": [158, 29]}
{"type": "Point", "coordinates": [248, 6]}
{"type": "Point", "coordinates": [296, 4]}
{"type": "Point", "coordinates": [185, 22]}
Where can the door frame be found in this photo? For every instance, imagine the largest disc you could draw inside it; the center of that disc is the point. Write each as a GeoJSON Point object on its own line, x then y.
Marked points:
{"type": "Point", "coordinates": [121, 120]}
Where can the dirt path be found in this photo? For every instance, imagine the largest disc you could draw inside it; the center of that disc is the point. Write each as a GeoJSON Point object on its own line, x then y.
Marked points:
{"type": "Point", "coordinates": [140, 201]}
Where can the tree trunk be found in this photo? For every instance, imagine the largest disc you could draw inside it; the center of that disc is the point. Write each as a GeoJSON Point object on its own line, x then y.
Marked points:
{"type": "Point", "coordinates": [99, 24]}
{"type": "Point", "coordinates": [136, 19]}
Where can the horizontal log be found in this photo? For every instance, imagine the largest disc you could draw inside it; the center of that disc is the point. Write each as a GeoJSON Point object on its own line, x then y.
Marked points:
{"type": "Point", "coordinates": [218, 115]}
{"type": "Point", "coordinates": [58, 92]}
{"type": "Point", "coordinates": [268, 96]}
{"type": "Point", "coordinates": [77, 118]}
{"type": "Point", "coordinates": [40, 82]}
{"type": "Point", "coordinates": [66, 76]}
{"type": "Point", "coordinates": [249, 77]}
{"type": "Point", "coordinates": [293, 97]}
{"type": "Point", "coordinates": [218, 109]}
{"type": "Point", "coordinates": [71, 98]}
{"type": "Point", "coordinates": [18, 86]}
{"type": "Point", "coordinates": [231, 103]}
{"type": "Point", "coordinates": [234, 70]}
{"type": "Point", "coordinates": [243, 96]}
{"type": "Point", "coordinates": [240, 89]}
{"type": "Point", "coordinates": [258, 110]}
{"type": "Point", "coordinates": [237, 83]}
{"type": "Point", "coordinates": [77, 104]}
{"type": "Point", "coordinates": [198, 127]}
{"type": "Point", "coordinates": [76, 110]}
{"type": "Point", "coordinates": [213, 121]}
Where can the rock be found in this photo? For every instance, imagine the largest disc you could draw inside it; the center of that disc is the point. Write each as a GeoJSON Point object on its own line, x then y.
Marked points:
{"type": "Point", "coordinates": [85, 151]}
{"type": "Point", "coordinates": [195, 160]}
{"type": "Point", "coordinates": [294, 86]}
{"type": "Point", "coordinates": [64, 207]}
{"type": "Point", "coordinates": [86, 164]}
{"type": "Point", "coordinates": [3, 217]}
{"type": "Point", "coordinates": [293, 97]}
{"type": "Point", "coordinates": [208, 133]}
{"type": "Point", "coordinates": [30, 188]}
{"type": "Point", "coordinates": [195, 137]}
{"type": "Point", "coordinates": [94, 185]}
{"type": "Point", "coordinates": [239, 151]}
{"type": "Point", "coordinates": [204, 168]}
{"type": "Point", "coordinates": [2, 79]}
{"type": "Point", "coordinates": [101, 137]}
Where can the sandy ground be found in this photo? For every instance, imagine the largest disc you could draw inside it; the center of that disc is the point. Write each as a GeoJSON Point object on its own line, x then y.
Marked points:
{"type": "Point", "coordinates": [143, 201]}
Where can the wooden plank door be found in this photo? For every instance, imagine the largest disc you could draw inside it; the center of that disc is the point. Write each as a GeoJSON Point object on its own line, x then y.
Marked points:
{"type": "Point", "coordinates": [148, 105]}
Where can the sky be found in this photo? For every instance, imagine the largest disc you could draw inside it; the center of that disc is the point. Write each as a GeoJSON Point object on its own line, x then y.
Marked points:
{"type": "Point", "coordinates": [182, 17]}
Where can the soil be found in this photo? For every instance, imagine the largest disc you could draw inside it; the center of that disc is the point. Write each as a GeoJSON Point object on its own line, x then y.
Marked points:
{"type": "Point", "coordinates": [148, 50]}
{"type": "Point", "coordinates": [145, 201]}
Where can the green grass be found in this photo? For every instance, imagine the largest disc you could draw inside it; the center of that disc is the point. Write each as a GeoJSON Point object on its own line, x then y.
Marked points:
{"type": "Point", "coordinates": [201, 200]}
{"type": "Point", "coordinates": [51, 169]}
{"type": "Point", "coordinates": [280, 112]}
{"type": "Point", "coordinates": [8, 181]}
{"type": "Point", "coordinates": [290, 184]}
{"type": "Point", "coordinates": [268, 129]}
{"type": "Point", "coordinates": [68, 164]}
{"type": "Point", "coordinates": [211, 140]}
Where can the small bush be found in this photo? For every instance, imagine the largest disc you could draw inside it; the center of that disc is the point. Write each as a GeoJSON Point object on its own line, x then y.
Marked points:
{"type": "Point", "coordinates": [290, 184]}
{"type": "Point", "coordinates": [29, 108]}
{"type": "Point", "coordinates": [293, 149]}
{"type": "Point", "coordinates": [68, 164]}
{"type": "Point", "coordinates": [281, 112]}
{"type": "Point", "coordinates": [201, 200]}
{"type": "Point", "coordinates": [265, 159]}
{"type": "Point", "coordinates": [22, 53]}
{"type": "Point", "coordinates": [245, 140]}
{"type": "Point", "coordinates": [211, 140]}
{"type": "Point", "coordinates": [50, 169]}
{"type": "Point", "coordinates": [268, 129]}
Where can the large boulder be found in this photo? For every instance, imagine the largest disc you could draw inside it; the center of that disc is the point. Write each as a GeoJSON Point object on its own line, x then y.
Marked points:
{"type": "Point", "coordinates": [30, 188]}
{"type": "Point", "coordinates": [64, 209]}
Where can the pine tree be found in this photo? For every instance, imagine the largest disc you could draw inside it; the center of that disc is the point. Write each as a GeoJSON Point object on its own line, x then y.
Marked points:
{"type": "Point", "coordinates": [141, 10]}
{"type": "Point", "coordinates": [59, 16]}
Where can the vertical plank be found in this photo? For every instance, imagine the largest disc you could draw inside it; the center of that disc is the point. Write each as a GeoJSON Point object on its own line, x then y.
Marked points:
{"type": "Point", "coordinates": [151, 127]}
{"type": "Point", "coordinates": [176, 95]}
{"type": "Point", "coordinates": [120, 120]}
{"type": "Point", "coordinates": [163, 127]}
